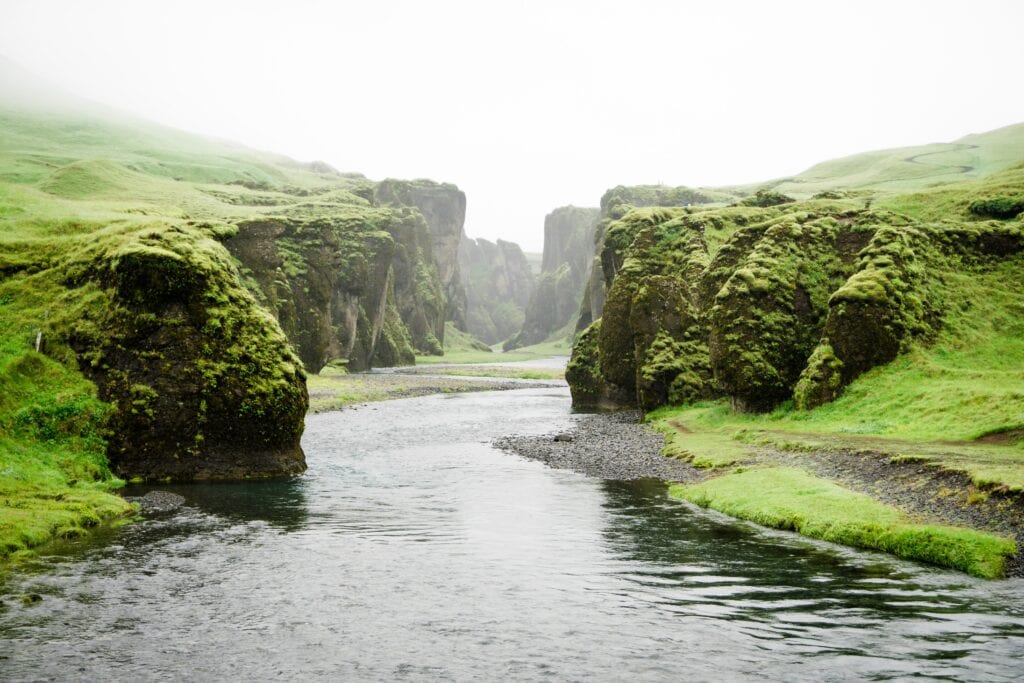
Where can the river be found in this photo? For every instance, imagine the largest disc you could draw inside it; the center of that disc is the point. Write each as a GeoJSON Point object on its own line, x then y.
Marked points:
{"type": "Point", "coordinates": [413, 550]}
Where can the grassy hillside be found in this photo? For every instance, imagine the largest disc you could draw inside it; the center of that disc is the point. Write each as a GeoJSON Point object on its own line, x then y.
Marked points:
{"type": "Point", "coordinates": [909, 168]}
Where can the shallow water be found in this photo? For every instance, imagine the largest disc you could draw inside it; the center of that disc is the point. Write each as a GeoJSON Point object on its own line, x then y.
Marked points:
{"type": "Point", "coordinates": [414, 550]}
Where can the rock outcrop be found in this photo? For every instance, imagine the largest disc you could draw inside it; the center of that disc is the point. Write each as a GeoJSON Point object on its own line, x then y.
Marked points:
{"type": "Point", "coordinates": [443, 205]}
{"type": "Point", "coordinates": [607, 258]}
{"type": "Point", "coordinates": [498, 284]}
{"type": "Point", "coordinates": [330, 284]}
{"type": "Point", "coordinates": [202, 383]}
{"type": "Point", "coordinates": [763, 304]}
{"type": "Point", "coordinates": [568, 245]}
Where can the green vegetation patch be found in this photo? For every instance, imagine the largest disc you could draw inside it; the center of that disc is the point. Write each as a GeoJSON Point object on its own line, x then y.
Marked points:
{"type": "Point", "coordinates": [54, 478]}
{"type": "Point", "coordinates": [701, 449]}
{"type": "Point", "coordinates": [791, 499]}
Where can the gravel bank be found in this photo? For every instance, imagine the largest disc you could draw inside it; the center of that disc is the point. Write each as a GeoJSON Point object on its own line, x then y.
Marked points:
{"type": "Point", "coordinates": [609, 446]}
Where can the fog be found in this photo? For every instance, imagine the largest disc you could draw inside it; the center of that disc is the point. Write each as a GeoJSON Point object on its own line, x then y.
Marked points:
{"type": "Point", "coordinates": [528, 106]}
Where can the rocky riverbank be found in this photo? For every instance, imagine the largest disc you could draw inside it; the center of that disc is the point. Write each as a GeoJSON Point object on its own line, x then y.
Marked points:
{"type": "Point", "coordinates": [617, 446]}
{"type": "Point", "coordinates": [608, 445]}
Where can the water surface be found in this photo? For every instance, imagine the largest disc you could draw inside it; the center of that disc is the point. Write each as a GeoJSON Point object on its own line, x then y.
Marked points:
{"type": "Point", "coordinates": [415, 551]}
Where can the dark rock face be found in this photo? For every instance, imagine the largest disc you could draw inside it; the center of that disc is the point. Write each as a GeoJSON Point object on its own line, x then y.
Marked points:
{"type": "Point", "coordinates": [203, 383]}
{"type": "Point", "coordinates": [358, 282]}
{"type": "Point", "coordinates": [568, 240]}
{"type": "Point", "coordinates": [764, 304]}
{"type": "Point", "coordinates": [444, 207]}
{"type": "Point", "coordinates": [498, 286]}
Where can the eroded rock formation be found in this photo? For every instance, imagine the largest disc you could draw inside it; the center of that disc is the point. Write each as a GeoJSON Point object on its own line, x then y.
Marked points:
{"type": "Point", "coordinates": [568, 244]}
{"type": "Point", "coordinates": [766, 304]}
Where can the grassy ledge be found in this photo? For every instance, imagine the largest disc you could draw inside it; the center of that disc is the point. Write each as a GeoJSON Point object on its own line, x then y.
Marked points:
{"type": "Point", "coordinates": [791, 499]}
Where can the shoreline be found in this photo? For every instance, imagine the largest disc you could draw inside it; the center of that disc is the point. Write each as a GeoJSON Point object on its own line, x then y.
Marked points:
{"type": "Point", "coordinates": [348, 391]}
{"type": "Point", "coordinates": [618, 446]}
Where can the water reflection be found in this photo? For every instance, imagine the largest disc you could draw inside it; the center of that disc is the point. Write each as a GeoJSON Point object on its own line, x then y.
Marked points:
{"type": "Point", "coordinates": [280, 503]}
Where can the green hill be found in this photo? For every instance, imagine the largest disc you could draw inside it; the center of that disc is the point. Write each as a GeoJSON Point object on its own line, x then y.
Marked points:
{"type": "Point", "coordinates": [908, 168]}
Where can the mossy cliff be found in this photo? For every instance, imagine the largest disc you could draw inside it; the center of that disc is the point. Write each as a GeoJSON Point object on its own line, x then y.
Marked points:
{"type": "Point", "coordinates": [765, 302]}
{"type": "Point", "coordinates": [443, 205]}
{"type": "Point", "coordinates": [607, 251]}
{"type": "Point", "coordinates": [568, 240]}
{"type": "Point", "coordinates": [359, 284]}
{"type": "Point", "coordinates": [201, 382]}
{"type": "Point", "coordinates": [498, 283]}
{"type": "Point", "coordinates": [353, 277]}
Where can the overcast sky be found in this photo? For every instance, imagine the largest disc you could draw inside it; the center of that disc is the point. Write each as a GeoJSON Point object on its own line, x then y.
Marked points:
{"type": "Point", "coordinates": [532, 105]}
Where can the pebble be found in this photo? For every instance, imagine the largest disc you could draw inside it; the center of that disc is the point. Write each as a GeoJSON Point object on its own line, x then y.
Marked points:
{"type": "Point", "coordinates": [605, 445]}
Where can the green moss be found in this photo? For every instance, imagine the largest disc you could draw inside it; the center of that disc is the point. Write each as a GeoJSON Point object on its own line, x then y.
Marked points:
{"type": "Point", "coordinates": [583, 372]}
{"type": "Point", "coordinates": [789, 498]}
{"type": "Point", "coordinates": [997, 207]}
{"type": "Point", "coordinates": [765, 198]}
{"type": "Point", "coordinates": [821, 380]}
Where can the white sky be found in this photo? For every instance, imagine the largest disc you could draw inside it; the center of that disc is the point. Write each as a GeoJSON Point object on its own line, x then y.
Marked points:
{"type": "Point", "coordinates": [532, 105]}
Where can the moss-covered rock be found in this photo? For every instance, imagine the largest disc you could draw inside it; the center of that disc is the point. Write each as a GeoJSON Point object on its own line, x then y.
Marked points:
{"type": "Point", "coordinates": [822, 379]}
{"type": "Point", "coordinates": [766, 319]}
{"type": "Point", "coordinates": [326, 280]}
{"type": "Point", "coordinates": [672, 362]}
{"type": "Point", "coordinates": [418, 291]}
{"type": "Point", "coordinates": [767, 304]}
{"type": "Point", "coordinates": [583, 372]}
{"type": "Point", "coordinates": [443, 206]}
{"type": "Point", "coordinates": [873, 314]}
{"type": "Point", "coordinates": [203, 383]}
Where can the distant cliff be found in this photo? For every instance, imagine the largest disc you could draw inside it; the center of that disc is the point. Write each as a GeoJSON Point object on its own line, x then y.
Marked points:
{"type": "Point", "coordinates": [568, 245]}
{"type": "Point", "coordinates": [444, 207]}
{"type": "Point", "coordinates": [498, 284]}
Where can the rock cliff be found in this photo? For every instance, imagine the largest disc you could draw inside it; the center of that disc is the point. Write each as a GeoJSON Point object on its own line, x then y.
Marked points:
{"type": "Point", "coordinates": [194, 283]}
{"type": "Point", "coordinates": [606, 259]}
{"type": "Point", "coordinates": [498, 283]}
{"type": "Point", "coordinates": [200, 380]}
{"type": "Point", "coordinates": [768, 303]}
{"type": "Point", "coordinates": [568, 245]}
{"type": "Point", "coordinates": [444, 207]}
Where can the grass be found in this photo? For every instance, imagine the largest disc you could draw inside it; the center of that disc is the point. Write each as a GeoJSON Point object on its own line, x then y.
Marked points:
{"type": "Point", "coordinates": [791, 499]}
{"type": "Point", "coordinates": [336, 391]}
{"type": "Point", "coordinates": [54, 479]}
{"type": "Point", "coordinates": [906, 169]}
{"type": "Point", "coordinates": [548, 349]}
{"type": "Point", "coordinates": [707, 449]}
{"type": "Point", "coordinates": [499, 371]}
